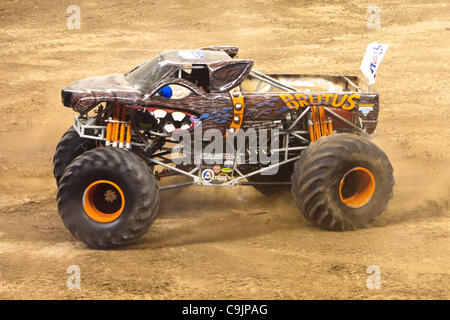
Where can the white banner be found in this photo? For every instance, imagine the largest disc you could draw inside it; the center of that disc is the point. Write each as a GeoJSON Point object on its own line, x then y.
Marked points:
{"type": "Point", "coordinates": [372, 59]}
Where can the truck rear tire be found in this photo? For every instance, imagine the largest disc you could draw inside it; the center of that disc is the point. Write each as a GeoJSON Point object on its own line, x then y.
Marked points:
{"type": "Point", "coordinates": [107, 198]}
{"type": "Point", "coordinates": [69, 147]}
{"type": "Point", "coordinates": [342, 182]}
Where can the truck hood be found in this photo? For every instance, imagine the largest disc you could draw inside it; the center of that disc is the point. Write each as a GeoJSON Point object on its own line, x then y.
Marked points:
{"type": "Point", "coordinates": [83, 95]}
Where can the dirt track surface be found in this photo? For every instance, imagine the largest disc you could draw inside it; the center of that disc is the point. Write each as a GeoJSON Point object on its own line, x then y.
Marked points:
{"type": "Point", "coordinates": [228, 243]}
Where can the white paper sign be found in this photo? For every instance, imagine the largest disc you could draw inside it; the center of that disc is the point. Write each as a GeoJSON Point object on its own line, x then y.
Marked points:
{"type": "Point", "coordinates": [372, 59]}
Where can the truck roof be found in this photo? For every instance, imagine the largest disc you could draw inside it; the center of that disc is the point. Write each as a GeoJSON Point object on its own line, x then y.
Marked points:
{"type": "Point", "coordinates": [222, 71]}
{"type": "Point", "coordinates": [184, 57]}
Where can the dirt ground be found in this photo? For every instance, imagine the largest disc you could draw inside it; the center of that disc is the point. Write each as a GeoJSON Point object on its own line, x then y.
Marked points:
{"type": "Point", "coordinates": [228, 243]}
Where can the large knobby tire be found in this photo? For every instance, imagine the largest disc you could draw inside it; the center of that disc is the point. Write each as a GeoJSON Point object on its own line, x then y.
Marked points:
{"type": "Point", "coordinates": [108, 197]}
{"type": "Point", "coordinates": [342, 182]}
{"type": "Point", "coordinates": [69, 147]}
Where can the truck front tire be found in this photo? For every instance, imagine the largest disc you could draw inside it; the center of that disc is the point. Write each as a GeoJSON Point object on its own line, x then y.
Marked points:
{"type": "Point", "coordinates": [108, 197]}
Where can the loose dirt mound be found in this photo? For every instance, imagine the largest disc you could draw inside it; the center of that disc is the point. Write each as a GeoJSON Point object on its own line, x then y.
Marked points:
{"type": "Point", "coordinates": [231, 243]}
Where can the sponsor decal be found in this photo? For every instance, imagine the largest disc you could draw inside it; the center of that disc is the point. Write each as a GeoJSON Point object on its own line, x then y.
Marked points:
{"type": "Point", "coordinates": [216, 168]}
{"type": "Point", "coordinates": [365, 110]}
{"type": "Point", "coordinates": [208, 175]}
{"type": "Point", "coordinates": [335, 100]}
{"type": "Point", "coordinates": [228, 163]}
{"type": "Point", "coordinates": [222, 177]}
{"type": "Point", "coordinates": [226, 170]}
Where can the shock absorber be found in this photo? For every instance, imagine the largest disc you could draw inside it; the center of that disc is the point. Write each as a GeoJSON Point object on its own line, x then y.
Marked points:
{"type": "Point", "coordinates": [118, 130]}
{"type": "Point", "coordinates": [122, 127]}
{"type": "Point", "coordinates": [319, 125]}
{"type": "Point", "coordinates": [128, 139]}
{"type": "Point", "coordinates": [115, 135]}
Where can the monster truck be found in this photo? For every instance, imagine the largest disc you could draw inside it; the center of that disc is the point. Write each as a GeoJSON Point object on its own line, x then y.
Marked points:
{"type": "Point", "coordinates": [177, 113]}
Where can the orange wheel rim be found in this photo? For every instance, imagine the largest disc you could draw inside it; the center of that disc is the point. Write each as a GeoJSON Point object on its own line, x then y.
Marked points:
{"type": "Point", "coordinates": [357, 187]}
{"type": "Point", "coordinates": [103, 201]}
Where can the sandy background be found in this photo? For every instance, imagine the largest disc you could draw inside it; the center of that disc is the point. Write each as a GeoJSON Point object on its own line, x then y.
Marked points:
{"type": "Point", "coordinates": [231, 243]}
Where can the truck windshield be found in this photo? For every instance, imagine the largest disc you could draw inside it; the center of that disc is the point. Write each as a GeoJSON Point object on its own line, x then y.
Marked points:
{"type": "Point", "coordinates": [146, 76]}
